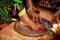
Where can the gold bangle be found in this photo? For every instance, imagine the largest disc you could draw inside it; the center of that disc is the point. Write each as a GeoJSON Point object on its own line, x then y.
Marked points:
{"type": "Point", "coordinates": [29, 9]}
{"type": "Point", "coordinates": [22, 12]}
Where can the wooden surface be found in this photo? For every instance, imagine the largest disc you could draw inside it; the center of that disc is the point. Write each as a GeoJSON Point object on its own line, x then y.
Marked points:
{"type": "Point", "coordinates": [9, 33]}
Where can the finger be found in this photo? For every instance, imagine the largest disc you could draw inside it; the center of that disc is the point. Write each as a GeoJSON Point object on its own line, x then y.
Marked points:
{"type": "Point", "coordinates": [36, 18]}
{"type": "Point", "coordinates": [38, 24]}
{"type": "Point", "coordinates": [33, 18]}
{"type": "Point", "coordinates": [23, 23]}
{"type": "Point", "coordinates": [40, 20]}
{"type": "Point", "coordinates": [54, 20]}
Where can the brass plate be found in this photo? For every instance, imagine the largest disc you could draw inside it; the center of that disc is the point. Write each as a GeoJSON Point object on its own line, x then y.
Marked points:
{"type": "Point", "coordinates": [29, 32]}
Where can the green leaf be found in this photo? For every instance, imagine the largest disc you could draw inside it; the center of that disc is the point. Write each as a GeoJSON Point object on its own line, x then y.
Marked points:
{"type": "Point", "coordinates": [4, 14]}
{"type": "Point", "coordinates": [15, 5]}
{"type": "Point", "coordinates": [2, 2]}
{"type": "Point", "coordinates": [18, 6]}
{"type": "Point", "coordinates": [18, 1]}
{"type": "Point", "coordinates": [3, 21]}
{"type": "Point", "coordinates": [9, 2]}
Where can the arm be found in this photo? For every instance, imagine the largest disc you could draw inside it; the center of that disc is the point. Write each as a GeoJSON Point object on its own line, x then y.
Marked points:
{"type": "Point", "coordinates": [31, 10]}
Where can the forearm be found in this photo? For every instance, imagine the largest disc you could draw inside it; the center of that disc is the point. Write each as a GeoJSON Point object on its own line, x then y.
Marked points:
{"type": "Point", "coordinates": [25, 19]}
{"type": "Point", "coordinates": [29, 4]}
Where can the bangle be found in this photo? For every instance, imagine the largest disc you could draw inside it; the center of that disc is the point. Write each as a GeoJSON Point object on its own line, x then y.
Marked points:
{"type": "Point", "coordinates": [22, 12]}
{"type": "Point", "coordinates": [29, 9]}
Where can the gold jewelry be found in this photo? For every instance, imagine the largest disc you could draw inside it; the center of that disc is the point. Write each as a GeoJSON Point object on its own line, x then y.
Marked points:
{"type": "Point", "coordinates": [22, 12]}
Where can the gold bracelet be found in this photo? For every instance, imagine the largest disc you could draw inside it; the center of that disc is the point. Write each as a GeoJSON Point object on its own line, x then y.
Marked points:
{"type": "Point", "coordinates": [22, 12]}
{"type": "Point", "coordinates": [29, 9]}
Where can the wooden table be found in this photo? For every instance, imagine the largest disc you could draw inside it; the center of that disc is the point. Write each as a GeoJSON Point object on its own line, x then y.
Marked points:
{"type": "Point", "coordinates": [9, 33]}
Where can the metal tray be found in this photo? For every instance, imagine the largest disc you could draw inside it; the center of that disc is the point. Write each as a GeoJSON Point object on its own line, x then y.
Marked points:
{"type": "Point", "coordinates": [29, 32]}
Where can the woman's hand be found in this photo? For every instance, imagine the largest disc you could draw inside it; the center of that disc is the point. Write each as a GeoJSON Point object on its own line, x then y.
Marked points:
{"type": "Point", "coordinates": [32, 11]}
{"type": "Point", "coordinates": [34, 15]}
{"type": "Point", "coordinates": [56, 21]}
{"type": "Point", "coordinates": [56, 17]}
{"type": "Point", "coordinates": [29, 23]}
